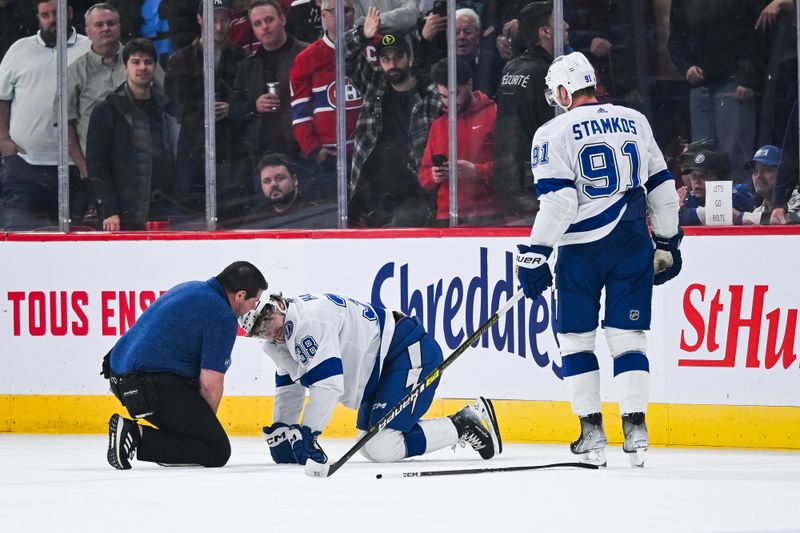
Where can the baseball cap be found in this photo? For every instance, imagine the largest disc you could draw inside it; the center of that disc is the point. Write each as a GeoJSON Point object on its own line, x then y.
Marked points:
{"type": "Point", "coordinates": [393, 41]}
{"type": "Point", "coordinates": [769, 155]}
{"type": "Point", "coordinates": [705, 160]}
{"type": "Point", "coordinates": [218, 4]}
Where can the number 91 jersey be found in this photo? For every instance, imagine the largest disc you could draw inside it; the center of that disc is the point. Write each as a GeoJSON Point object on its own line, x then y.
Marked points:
{"type": "Point", "coordinates": [601, 155]}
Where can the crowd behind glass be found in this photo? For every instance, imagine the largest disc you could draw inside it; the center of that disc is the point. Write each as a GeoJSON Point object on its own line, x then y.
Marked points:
{"type": "Point", "coordinates": [716, 78]}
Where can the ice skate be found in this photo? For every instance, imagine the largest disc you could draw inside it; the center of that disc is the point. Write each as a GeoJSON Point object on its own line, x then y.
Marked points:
{"type": "Point", "coordinates": [477, 426]}
{"type": "Point", "coordinates": [590, 446]}
{"type": "Point", "coordinates": [634, 429]}
{"type": "Point", "coordinates": [123, 438]}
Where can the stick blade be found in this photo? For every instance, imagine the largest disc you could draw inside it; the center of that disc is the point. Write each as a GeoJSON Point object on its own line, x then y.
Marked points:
{"type": "Point", "coordinates": [315, 469]}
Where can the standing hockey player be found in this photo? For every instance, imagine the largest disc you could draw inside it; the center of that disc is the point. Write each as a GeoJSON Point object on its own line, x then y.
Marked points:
{"type": "Point", "coordinates": [367, 358]}
{"type": "Point", "coordinates": [598, 173]}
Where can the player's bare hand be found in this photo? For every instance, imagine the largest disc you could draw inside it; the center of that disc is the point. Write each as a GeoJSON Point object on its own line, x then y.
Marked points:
{"type": "Point", "coordinates": [111, 223]}
{"type": "Point", "coordinates": [372, 22]}
{"type": "Point", "coordinates": [695, 75]}
{"type": "Point", "coordinates": [268, 103]}
{"type": "Point", "coordinates": [434, 25]}
{"type": "Point", "coordinates": [600, 47]}
{"type": "Point", "coordinates": [9, 148]}
{"type": "Point", "coordinates": [743, 93]}
{"type": "Point", "coordinates": [441, 174]}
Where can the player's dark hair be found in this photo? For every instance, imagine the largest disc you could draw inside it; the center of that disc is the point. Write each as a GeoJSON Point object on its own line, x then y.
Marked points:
{"type": "Point", "coordinates": [138, 46]}
{"type": "Point", "coordinates": [242, 276]}
{"type": "Point", "coordinates": [274, 160]}
{"type": "Point", "coordinates": [532, 17]}
{"type": "Point", "coordinates": [272, 3]}
{"type": "Point", "coordinates": [439, 72]}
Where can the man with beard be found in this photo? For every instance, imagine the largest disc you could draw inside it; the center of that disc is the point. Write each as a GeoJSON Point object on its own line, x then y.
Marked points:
{"type": "Point", "coordinates": [392, 131]}
{"type": "Point", "coordinates": [28, 140]}
{"type": "Point", "coordinates": [283, 205]}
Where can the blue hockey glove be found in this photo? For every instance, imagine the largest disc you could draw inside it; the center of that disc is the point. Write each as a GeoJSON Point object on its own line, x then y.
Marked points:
{"type": "Point", "coordinates": [280, 437]}
{"type": "Point", "coordinates": [667, 260]}
{"type": "Point", "coordinates": [307, 447]}
{"type": "Point", "coordinates": [533, 271]}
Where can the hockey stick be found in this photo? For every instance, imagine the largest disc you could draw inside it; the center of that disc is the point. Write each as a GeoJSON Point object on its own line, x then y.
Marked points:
{"type": "Point", "coordinates": [484, 470]}
{"type": "Point", "coordinates": [315, 469]}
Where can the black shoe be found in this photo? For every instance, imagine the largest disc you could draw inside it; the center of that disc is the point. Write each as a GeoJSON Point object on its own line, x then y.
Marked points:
{"type": "Point", "coordinates": [476, 425]}
{"type": "Point", "coordinates": [123, 439]}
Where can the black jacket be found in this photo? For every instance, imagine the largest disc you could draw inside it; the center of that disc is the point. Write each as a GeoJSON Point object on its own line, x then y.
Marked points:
{"type": "Point", "coordinates": [182, 18]}
{"type": "Point", "coordinates": [521, 109]}
{"type": "Point", "coordinates": [120, 168]}
{"type": "Point", "coordinates": [719, 37]}
{"type": "Point", "coordinates": [267, 132]}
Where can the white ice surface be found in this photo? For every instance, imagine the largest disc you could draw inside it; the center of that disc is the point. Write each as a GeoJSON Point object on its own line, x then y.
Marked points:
{"type": "Point", "coordinates": [63, 484]}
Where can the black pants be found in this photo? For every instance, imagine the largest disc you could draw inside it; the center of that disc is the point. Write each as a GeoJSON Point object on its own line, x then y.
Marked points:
{"type": "Point", "coordinates": [188, 430]}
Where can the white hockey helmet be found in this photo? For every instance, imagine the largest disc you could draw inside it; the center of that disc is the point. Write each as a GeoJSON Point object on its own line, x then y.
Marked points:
{"type": "Point", "coordinates": [573, 72]}
{"type": "Point", "coordinates": [248, 320]}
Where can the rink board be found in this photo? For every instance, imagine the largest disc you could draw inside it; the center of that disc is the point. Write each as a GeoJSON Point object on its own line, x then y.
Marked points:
{"type": "Point", "coordinates": [722, 348]}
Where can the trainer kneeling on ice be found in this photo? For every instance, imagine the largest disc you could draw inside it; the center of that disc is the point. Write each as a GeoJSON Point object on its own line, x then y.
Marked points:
{"type": "Point", "coordinates": [368, 358]}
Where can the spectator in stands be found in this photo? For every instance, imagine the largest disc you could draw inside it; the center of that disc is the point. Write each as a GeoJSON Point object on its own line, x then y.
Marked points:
{"type": "Point", "coordinates": [266, 117]}
{"type": "Point", "coordinates": [95, 75]}
{"type": "Point", "coordinates": [156, 28]}
{"type": "Point", "coordinates": [184, 84]}
{"type": "Point", "coordinates": [399, 107]}
{"type": "Point", "coordinates": [521, 109]}
{"type": "Point", "coordinates": [181, 17]}
{"type": "Point", "coordinates": [475, 124]}
{"type": "Point", "coordinates": [283, 203]}
{"type": "Point", "coordinates": [133, 147]}
{"type": "Point", "coordinates": [715, 46]}
{"type": "Point", "coordinates": [241, 32]}
{"type": "Point", "coordinates": [704, 164]}
{"type": "Point", "coordinates": [786, 197]}
{"type": "Point", "coordinates": [17, 20]}
{"type": "Point", "coordinates": [313, 81]}
{"type": "Point", "coordinates": [304, 20]}
{"type": "Point", "coordinates": [28, 140]}
{"type": "Point", "coordinates": [485, 63]}
{"type": "Point", "coordinates": [130, 18]}
{"type": "Point", "coordinates": [763, 170]}
{"type": "Point", "coordinates": [397, 16]}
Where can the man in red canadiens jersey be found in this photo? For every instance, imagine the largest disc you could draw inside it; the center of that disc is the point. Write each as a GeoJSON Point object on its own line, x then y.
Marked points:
{"type": "Point", "coordinates": [313, 82]}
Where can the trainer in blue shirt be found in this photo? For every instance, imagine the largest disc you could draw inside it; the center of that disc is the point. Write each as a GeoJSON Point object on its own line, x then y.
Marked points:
{"type": "Point", "coordinates": [169, 369]}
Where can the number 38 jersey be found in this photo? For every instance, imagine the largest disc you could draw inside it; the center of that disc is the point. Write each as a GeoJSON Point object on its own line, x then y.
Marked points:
{"type": "Point", "coordinates": [333, 346]}
{"type": "Point", "coordinates": [588, 165]}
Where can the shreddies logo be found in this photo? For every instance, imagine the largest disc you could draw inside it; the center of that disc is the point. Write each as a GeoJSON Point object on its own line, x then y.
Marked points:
{"type": "Point", "coordinates": [465, 304]}
{"type": "Point", "coordinates": [719, 318]}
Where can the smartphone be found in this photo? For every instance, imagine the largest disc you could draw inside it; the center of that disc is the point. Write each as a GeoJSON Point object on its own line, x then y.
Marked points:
{"type": "Point", "coordinates": [439, 160]}
{"type": "Point", "coordinates": [440, 8]}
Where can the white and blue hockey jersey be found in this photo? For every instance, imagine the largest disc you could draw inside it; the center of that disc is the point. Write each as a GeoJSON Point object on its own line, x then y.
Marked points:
{"type": "Point", "coordinates": [333, 346]}
{"type": "Point", "coordinates": [587, 165]}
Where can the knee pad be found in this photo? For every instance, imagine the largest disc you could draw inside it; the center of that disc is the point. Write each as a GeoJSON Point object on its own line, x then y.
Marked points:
{"type": "Point", "coordinates": [387, 446]}
{"type": "Point", "coordinates": [621, 341]}
{"type": "Point", "coordinates": [576, 342]}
